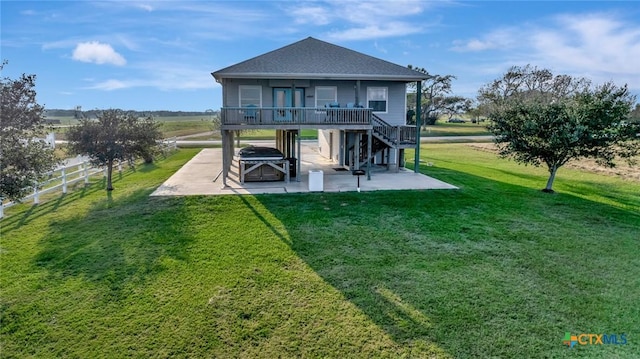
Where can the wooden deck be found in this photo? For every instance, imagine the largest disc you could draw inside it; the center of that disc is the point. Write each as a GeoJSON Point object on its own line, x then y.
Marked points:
{"type": "Point", "coordinates": [238, 118]}
{"type": "Point", "coordinates": [294, 118]}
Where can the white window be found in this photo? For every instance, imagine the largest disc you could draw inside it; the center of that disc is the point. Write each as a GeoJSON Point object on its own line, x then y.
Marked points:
{"type": "Point", "coordinates": [250, 96]}
{"type": "Point", "coordinates": [326, 95]}
{"type": "Point", "coordinates": [377, 98]}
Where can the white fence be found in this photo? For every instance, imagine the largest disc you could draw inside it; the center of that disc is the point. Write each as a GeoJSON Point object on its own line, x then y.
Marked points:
{"type": "Point", "coordinates": [60, 178]}
{"type": "Point", "coordinates": [170, 143]}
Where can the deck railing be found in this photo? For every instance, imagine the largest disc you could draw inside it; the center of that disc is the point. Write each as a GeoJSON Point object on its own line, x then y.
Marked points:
{"type": "Point", "coordinates": [266, 116]}
{"type": "Point", "coordinates": [407, 135]}
{"type": "Point", "coordinates": [393, 135]}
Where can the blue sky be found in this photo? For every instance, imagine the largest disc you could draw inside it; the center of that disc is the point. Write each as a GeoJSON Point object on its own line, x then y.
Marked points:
{"type": "Point", "coordinates": [158, 55]}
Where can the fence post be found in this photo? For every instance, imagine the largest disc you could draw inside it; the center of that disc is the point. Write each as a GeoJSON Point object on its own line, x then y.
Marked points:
{"type": "Point", "coordinates": [120, 166]}
{"type": "Point", "coordinates": [36, 194]}
{"type": "Point", "coordinates": [1, 208]}
{"type": "Point", "coordinates": [80, 165]}
{"type": "Point", "coordinates": [86, 172]}
{"type": "Point", "coordinates": [64, 180]}
{"type": "Point", "coordinates": [105, 171]}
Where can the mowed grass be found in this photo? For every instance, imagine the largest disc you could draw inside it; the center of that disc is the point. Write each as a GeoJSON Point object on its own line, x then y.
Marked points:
{"type": "Point", "coordinates": [182, 127]}
{"type": "Point", "coordinates": [443, 128]}
{"type": "Point", "coordinates": [494, 269]}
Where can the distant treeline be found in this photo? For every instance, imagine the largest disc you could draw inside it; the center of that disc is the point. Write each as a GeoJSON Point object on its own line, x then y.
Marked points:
{"type": "Point", "coordinates": [93, 113]}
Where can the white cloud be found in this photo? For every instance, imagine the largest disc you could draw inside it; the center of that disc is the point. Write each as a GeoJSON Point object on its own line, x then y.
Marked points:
{"type": "Point", "coordinates": [501, 39]}
{"type": "Point", "coordinates": [472, 45]}
{"type": "Point", "coordinates": [98, 53]}
{"type": "Point", "coordinates": [600, 46]}
{"type": "Point", "coordinates": [315, 15]}
{"type": "Point", "coordinates": [361, 20]}
{"type": "Point", "coordinates": [60, 44]}
{"type": "Point", "coordinates": [127, 42]}
{"type": "Point", "coordinates": [380, 47]}
{"type": "Point", "coordinates": [364, 12]}
{"type": "Point", "coordinates": [145, 7]}
{"type": "Point", "coordinates": [110, 85]}
{"type": "Point", "coordinates": [374, 31]}
{"type": "Point", "coordinates": [161, 76]}
{"type": "Point", "coordinates": [168, 76]}
{"type": "Point", "coordinates": [122, 39]}
{"type": "Point", "coordinates": [595, 43]}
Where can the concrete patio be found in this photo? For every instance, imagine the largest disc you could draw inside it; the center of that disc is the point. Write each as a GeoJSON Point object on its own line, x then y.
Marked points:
{"type": "Point", "coordinates": [202, 176]}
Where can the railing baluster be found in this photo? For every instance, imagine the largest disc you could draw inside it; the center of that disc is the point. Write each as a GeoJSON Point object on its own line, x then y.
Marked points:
{"type": "Point", "coordinates": [294, 115]}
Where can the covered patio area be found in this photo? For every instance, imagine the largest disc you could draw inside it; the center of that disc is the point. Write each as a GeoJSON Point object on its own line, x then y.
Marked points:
{"type": "Point", "coordinates": [202, 175]}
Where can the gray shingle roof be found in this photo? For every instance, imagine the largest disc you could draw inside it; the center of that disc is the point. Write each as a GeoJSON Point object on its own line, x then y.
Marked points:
{"type": "Point", "coordinates": [314, 59]}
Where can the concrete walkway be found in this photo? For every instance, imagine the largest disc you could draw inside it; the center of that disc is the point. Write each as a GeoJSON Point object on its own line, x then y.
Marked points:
{"type": "Point", "coordinates": [202, 176]}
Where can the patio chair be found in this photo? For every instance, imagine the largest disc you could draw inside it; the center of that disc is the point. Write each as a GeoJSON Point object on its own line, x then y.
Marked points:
{"type": "Point", "coordinates": [251, 113]}
{"type": "Point", "coordinates": [331, 114]}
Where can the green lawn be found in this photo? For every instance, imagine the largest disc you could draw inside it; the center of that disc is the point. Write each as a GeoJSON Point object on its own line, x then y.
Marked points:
{"type": "Point", "coordinates": [184, 127]}
{"type": "Point", "coordinates": [495, 269]}
{"type": "Point", "coordinates": [442, 128]}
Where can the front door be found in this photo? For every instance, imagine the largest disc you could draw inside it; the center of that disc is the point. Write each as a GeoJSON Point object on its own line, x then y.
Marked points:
{"type": "Point", "coordinates": [282, 97]}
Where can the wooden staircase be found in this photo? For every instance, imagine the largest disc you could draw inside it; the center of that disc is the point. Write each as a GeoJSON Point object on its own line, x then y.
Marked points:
{"type": "Point", "coordinates": [385, 136]}
{"type": "Point", "coordinates": [393, 136]}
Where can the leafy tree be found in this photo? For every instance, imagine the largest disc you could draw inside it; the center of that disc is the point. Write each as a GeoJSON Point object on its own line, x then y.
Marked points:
{"type": "Point", "coordinates": [538, 118]}
{"type": "Point", "coordinates": [635, 114]}
{"type": "Point", "coordinates": [454, 105]}
{"type": "Point", "coordinates": [476, 113]}
{"type": "Point", "coordinates": [435, 97]}
{"type": "Point", "coordinates": [115, 135]}
{"type": "Point", "coordinates": [23, 157]}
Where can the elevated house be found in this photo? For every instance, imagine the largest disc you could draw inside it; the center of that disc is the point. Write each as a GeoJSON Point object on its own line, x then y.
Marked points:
{"type": "Point", "coordinates": [357, 102]}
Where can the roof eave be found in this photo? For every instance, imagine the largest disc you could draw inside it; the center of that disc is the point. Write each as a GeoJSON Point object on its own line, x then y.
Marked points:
{"type": "Point", "coordinates": [275, 76]}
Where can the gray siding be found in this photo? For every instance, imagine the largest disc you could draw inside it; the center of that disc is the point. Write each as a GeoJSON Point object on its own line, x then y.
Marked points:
{"type": "Point", "coordinates": [396, 105]}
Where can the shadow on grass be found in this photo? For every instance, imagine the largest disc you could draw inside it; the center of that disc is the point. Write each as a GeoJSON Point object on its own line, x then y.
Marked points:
{"type": "Point", "coordinates": [122, 250]}
{"type": "Point", "coordinates": [52, 203]}
{"type": "Point", "coordinates": [147, 167]}
{"type": "Point", "coordinates": [35, 211]}
{"type": "Point", "coordinates": [264, 221]}
{"type": "Point", "coordinates": [622, 197]}
{"type": "Point", "coordinates": [468, 271]}
{"type": "Point", "coordinates": [627, 197]}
